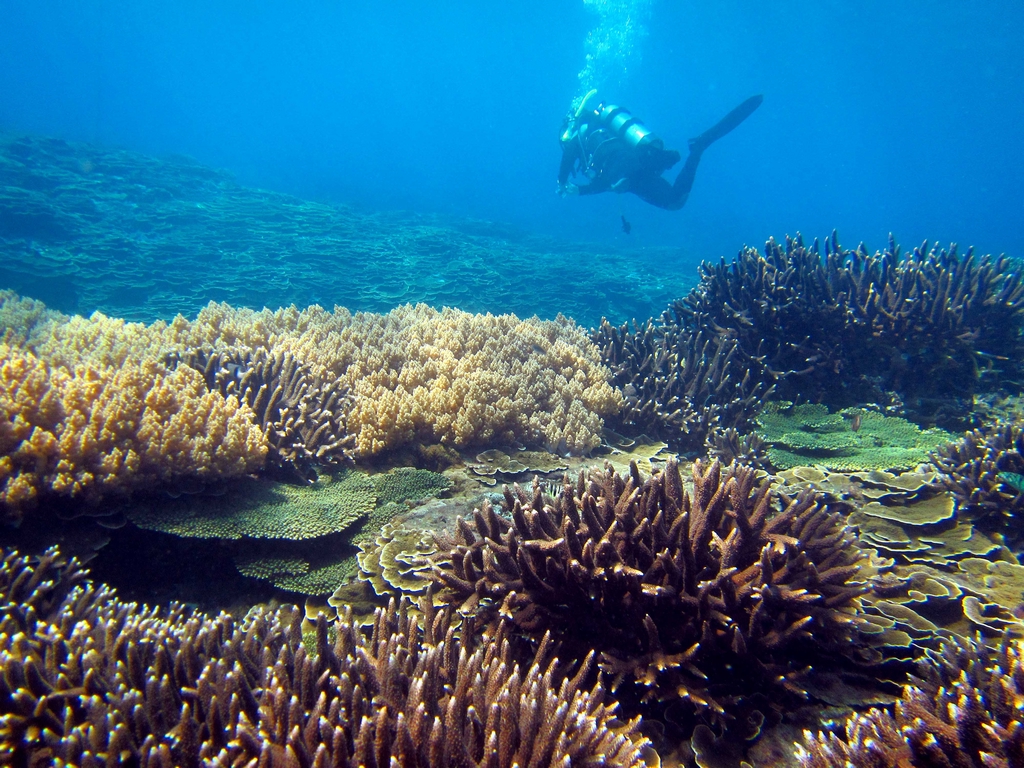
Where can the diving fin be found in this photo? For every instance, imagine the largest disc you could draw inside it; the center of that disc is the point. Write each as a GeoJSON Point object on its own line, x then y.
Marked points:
{"type": "Point", "coordinates": [726, 124]}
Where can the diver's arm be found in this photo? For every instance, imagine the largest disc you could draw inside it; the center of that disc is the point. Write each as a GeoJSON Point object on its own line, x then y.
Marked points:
{"type": "Point", "coordinates": [565, 169]}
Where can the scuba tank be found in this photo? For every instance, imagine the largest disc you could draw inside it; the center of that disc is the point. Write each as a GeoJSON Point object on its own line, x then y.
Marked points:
{"type": "Point", "coordinates": [600, 132]}
{"type": "Point", "coordinates": [628, 128]}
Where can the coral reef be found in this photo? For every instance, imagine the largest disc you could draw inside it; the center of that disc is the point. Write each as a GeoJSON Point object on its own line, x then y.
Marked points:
{"type": "Point", "coordinates": [678, 385]}
{"type": "Point", "coordinates": [926, 330]}
{"type": "Point", "coordinates": [976, 470]}
{"type": "Point", "coordinates": [86, 679]}
{"type": "Point", "coordinates": [94, 430]}
{"type": "Point", "coordinates": [852, 440]}
{"type": "Point", "coordinates": [89, 228]}
{"type": "Point", "coordinates": [423, 375]}
{"type": "Point", "coordinates": [930, 325]}
{"type": "Point", "coordinates": [967, 714]}
{"type": "Point", "coordinates": [398, 561]}
{"type": "Point", "coordinates": [707, 601]}
{"type": "Point", "coordinates": [302, 416]}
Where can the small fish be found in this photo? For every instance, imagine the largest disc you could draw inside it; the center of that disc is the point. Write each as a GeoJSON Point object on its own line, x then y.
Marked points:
{"type": "Point", "coordinates": [855, 422]}
{"type": "Point", "coordinates": [626, 226]}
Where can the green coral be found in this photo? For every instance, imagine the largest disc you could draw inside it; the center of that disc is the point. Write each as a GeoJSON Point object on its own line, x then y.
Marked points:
{"type": "Point", "coordinates": [268, 568]}
{"type": "Point", "coordinates": [319, 581]}
{"type": "Point", "coordinates": [264, 510]}
{"type": "Point", "coordinates": [408, 484]}
{"type": "Point", "coordinates": [295, 574]}
{"type": "Point", "coordinates": [852, 440]}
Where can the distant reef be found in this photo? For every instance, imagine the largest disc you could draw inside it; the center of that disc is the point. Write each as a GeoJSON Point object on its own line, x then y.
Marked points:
{"type": "Point", "coordinates": [87, 228]}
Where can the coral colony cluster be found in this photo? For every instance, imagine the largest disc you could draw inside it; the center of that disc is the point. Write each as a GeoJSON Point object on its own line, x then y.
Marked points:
{"type": "Point", "coordinates": [779, 525]}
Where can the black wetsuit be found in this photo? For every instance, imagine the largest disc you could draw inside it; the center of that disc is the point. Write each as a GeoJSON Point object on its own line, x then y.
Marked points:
{"type": "Point", "coordinates": [595, 147]}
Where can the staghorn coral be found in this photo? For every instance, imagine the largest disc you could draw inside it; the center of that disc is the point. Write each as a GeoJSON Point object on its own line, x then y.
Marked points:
{"type": "Point", "coordinates": [94, 430]}
{"type": "Point", "coordinates": [302, 415]}
{"type": "Point", "coordinates": [975, 468]}
{"type": "Point", "coordinates": [679, 385]}
{"type": "Point", "coordinates": [705, 600]}
{"type": "Point", "coordinates": [968, 713]}
{"type": "Point", "coordinates": [852, 326]}
{"type": "Point", "coordinates": [161, 688]}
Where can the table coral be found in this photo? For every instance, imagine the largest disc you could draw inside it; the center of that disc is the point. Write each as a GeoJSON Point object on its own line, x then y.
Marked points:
{"type": "Point", "coordinates": [169, 687]}
{"type": "Point", "coordinates": [408, 484]}
{"type": "Point", "coordinates": [805, 434]}
{"type": "Point", "coordinates": [261, 509]}
{"type": "Point", "coordinates": [94, 430]}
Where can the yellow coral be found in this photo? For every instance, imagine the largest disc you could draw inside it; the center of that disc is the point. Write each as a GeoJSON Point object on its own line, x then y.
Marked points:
{"type": "Point", "coordinates": [414, 374]}
{"type": "Point", "coordinates": [94, 429]}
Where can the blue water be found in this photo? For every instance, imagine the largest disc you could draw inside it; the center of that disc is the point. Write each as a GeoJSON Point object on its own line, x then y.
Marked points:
{"type": "Point", "coordinates": [878, 116]}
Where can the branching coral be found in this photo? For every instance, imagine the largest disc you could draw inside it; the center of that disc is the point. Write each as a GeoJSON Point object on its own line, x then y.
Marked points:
{"type": "Point", "coordinates": [679, 385]}
{"type": "Point", "coordinates": [302, 415]}
{"type": "Point", "coordinates": [23, 319]}
{"type": "Point", "coordinates": [978, 471]}
{"type": "Point", "coordinates": [853, 326]}
{"type": "Point", "coordinates": [99, 429]}
{"type": "Point", "coordinates": [423, 375]}
{"type": "Point", "coordinates": [969, 715]}
{"type": "Point", "coordinates": [707, 600]}
{"type": "Point", "coordinates": [86, 679]}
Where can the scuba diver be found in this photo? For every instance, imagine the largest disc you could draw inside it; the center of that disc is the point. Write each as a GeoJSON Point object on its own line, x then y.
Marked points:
{"type": "Point", "coordinates": [618, 153]}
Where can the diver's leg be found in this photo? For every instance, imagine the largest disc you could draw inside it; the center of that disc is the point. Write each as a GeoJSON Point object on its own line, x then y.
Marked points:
{"type": "Point", "coordinates": [678, 193]}
{"type": "Point", "coordinates": [726, 124]}
{"type": "Point", "coordinates": [684, 181]}
{"type": "Point", "coordinates": [656, 191]}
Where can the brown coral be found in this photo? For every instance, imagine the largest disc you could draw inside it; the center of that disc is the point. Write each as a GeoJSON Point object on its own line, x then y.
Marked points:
{"type": "Point", "coordinates": [969, 715]}
{"type": "Point", "coordinates": [707, 600]}
{"type": "Point", "coordinates": [302, 415]}
{"type": "Point", "coordinates": [142, 686]}
{"type": "Point", "coordinates": [679, 385]}
{"type": "Point", "coordinates": [977, 469]}
{"type": "Point", "coordinates": [98, 429]}
{"type": "Point", "coordinates": [853, 326]}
